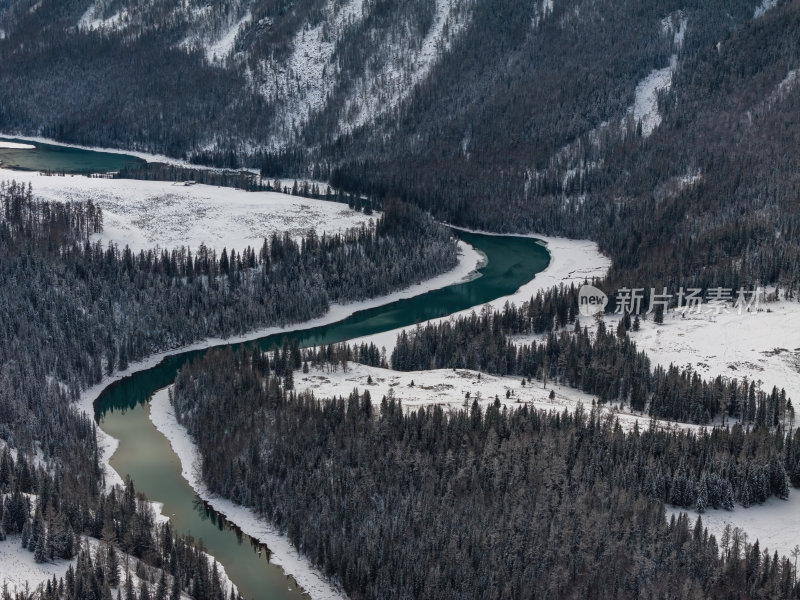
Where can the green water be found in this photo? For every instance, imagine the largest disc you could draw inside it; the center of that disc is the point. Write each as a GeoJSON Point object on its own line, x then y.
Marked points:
{"type": "Point", "coordinates": [59, 159]}
{"type": "Point", "coordinates": [146, 456]}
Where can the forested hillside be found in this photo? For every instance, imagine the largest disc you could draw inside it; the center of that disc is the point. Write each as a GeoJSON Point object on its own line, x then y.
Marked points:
{"type": "Point", "coordinates": [496, 503]}
{"type": "Point", "coordinates": [73, 311]}
{"type": "Point", "coordinates": [709, 196]}
{"type": "Point", "coordinates": [602, 119]}
{"type": "Point", "coordinates": [665, 130]}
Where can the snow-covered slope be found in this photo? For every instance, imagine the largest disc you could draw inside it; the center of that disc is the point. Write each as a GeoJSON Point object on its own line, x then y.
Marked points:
{"type": "Point", "coordinates": [219, 48]}
{"type": "Point", "coordinates": [406, 63]}
{"type": "Point", "coordinates": [302, 84]}
{"type": "Point", "coordinates": [384, 73]}
{"type": "Point", "coordinates": [645, 106]}
{"type": "Point", "coordinates": [19, 571]}
{"type": "Point", "coordinates": [765, 6]}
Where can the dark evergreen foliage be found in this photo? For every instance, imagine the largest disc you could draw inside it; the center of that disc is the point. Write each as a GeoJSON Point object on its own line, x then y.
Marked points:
{"type": "Point", "coordinates": [494, 503]}
{"type": "Point", "coordinates": [72, 311]}
{"type": "Point", "coordinates": [604, 364]}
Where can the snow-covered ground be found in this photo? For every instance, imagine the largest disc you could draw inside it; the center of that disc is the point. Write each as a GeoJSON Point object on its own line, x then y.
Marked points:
{"type": "Point", "coordinates": [18, 569]}
{"type": "Point", "coordinates": [143, 214]}
{"type": "Point", "coordinates": [763, 346]}
{"type": "Point", "coordinates": [469, 259]}
{"type": "Point", "coordinates": [283, 553]}
{"type": "Point", "coordinates": [775, 524]}
{"type": "Point", "coordinates": [20, 572]}
{"type": "Point", "coordinates": [448, 388]}
{"type": "Point", "coordinates": [571, 261]}
{"type": "Point", "coordinates": [778, 94]}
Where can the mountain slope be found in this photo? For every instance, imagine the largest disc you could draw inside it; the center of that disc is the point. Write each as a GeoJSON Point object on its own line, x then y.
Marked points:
{"type": "Point", "coordinates": [588, 118]}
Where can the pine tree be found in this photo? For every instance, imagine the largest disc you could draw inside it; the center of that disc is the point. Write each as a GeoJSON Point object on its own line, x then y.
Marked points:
{"type": "Point", "coordinates": [112, 566]}
{"type": "Point", "coordinates": [40, 552]}
{"type": "Point", "coordinates": [702, 495]}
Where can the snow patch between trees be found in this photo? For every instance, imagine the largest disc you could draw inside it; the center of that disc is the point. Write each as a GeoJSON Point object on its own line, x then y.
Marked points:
{"type": "Point", "coordinates": [222, 47]}
{"type": "Point", "coordinates": [774, 524]}
{"type": "Point", "coordinates": [645, 106]}
{"type": "Point", "coordinates": [764, 7]}
{"type": "Point", "coordinates": [448, 388]}
{"type": "Point", "coordinates": [92, 18]}
{"type": "Point", "coordinates": [19, 569]}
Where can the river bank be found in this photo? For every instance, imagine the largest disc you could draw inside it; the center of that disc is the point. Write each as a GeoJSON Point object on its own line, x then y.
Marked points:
{"type": "Point", "coordinates": [469, 261]}
{"type": "Point", "coordinates": [571, 262]}
{"type": "Point", "coordinates": [162, 415]}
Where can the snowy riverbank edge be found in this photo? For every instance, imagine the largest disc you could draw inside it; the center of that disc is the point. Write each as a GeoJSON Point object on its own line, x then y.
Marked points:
{"type": "Point", "coordinates": [283, 554]}
{"type": "Point", "coordinates": [469, 260]}
{"type": "Point", "coordinates": [145, 156]}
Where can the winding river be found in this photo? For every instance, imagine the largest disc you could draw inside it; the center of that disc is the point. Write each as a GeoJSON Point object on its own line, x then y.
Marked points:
{"type": "Point", "coordinates": [145, 454]}
{"type": "Point", "coordinates": [122, 408]}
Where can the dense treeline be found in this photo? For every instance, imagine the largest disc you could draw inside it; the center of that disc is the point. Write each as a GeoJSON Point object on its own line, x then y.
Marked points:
{"type": "Point", "coordinates": [72, 311]}
{"type": "Point", "coordinates": [53, 522]}
{"type": "Point", "coordinates": [479, 140]}
{"type": "Point", "coordinates": [500, 503]}
{"type": "Point", "coordinates": [605, 364]}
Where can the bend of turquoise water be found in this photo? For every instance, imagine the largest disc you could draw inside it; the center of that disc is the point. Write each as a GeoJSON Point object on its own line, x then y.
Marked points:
{"type": "Point", "coordinates": [145, 454]}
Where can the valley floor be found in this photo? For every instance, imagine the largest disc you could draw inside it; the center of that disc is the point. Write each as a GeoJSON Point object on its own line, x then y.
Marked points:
{"type": "Point", "coordinates": [146, 214]}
